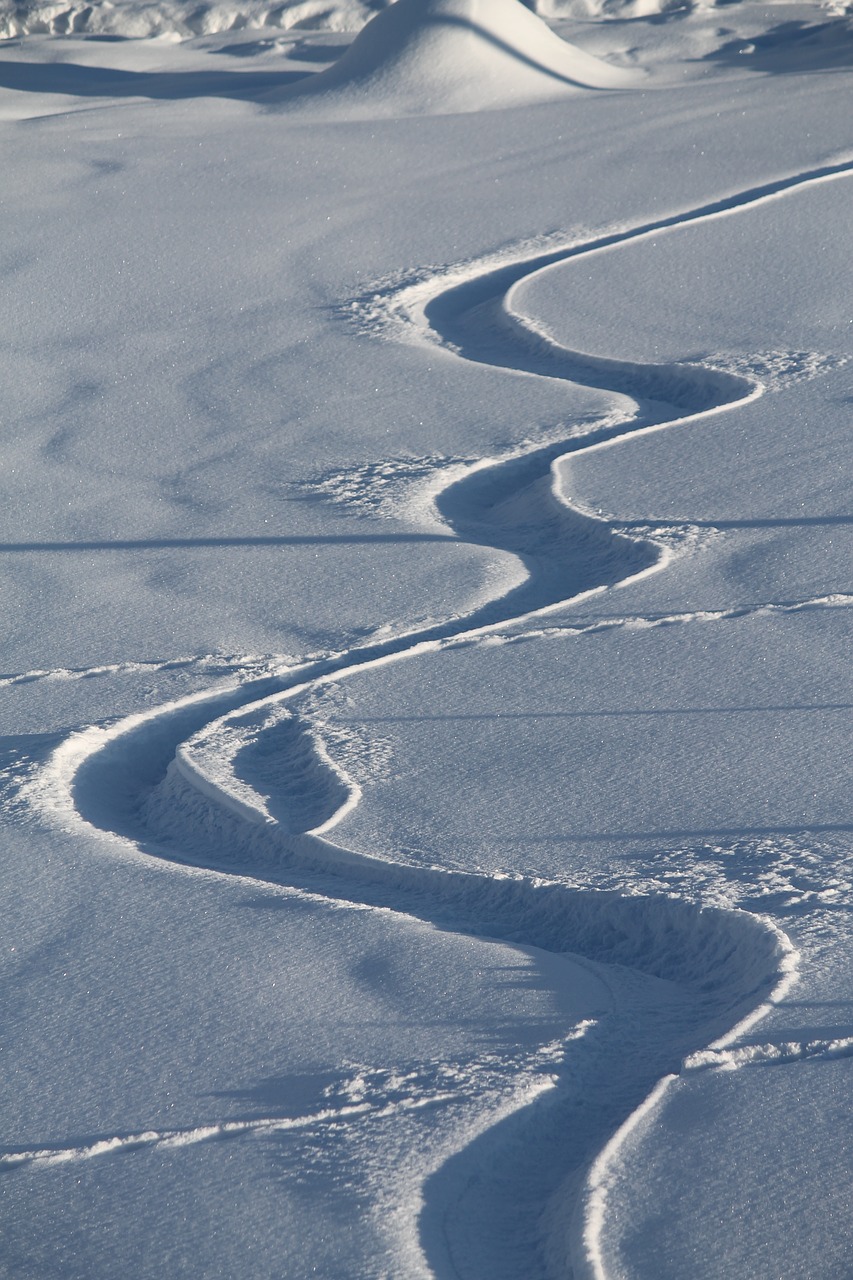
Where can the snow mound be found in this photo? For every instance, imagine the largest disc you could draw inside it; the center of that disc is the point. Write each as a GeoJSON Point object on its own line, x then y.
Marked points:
{"type": "Point", "coordinates": [426, 57]}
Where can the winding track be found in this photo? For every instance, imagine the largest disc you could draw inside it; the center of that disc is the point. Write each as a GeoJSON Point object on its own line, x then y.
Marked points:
{"type": "Point", "coordinates": [178, 782]}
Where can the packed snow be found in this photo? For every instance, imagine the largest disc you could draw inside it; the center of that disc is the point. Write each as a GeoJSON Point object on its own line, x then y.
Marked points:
{"type": "Point", "coordinates": [426, 551]}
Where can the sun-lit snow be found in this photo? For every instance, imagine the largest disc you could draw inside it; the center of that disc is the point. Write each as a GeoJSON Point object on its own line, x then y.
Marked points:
{"type": "Point", "coordinates": [428, 56]}
{"type": "Point", "coordinates": [425, 550]}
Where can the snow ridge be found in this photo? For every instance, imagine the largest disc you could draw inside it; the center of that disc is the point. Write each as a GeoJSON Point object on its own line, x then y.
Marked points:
{"type": "Point", "coordinates": [177, 18]}
{"type": "Point", "coordinates": [213, 664]}
{"type": "Point", "coordinates": [200, 781]}
{"type": "Point", "coordinates": [764, 1054]}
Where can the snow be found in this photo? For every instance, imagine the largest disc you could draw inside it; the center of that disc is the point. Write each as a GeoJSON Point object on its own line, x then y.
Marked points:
{"type": "Point", "coordinates": [178, 20]}
{"type": "Point", "coordinates": [426, 683]}
{"type": "Point", "coordinates": [428, 56]}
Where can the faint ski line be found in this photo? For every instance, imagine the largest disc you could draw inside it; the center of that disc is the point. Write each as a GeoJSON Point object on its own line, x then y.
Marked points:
{"type": "Point", "coordinates": [153, 1139]}
{"type": "Point", "coordinates": [650, 622]}
{"type": "Point", "coordinates": [836, 600]}
{"type": "Point", "coordinates": [142, 666]}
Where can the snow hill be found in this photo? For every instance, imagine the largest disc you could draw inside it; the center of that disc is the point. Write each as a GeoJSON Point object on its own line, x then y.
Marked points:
{"type": "Point", "coordinates": [437, 56]}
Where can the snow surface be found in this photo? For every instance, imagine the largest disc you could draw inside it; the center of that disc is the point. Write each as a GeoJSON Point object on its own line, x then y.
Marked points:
{"type": "Point", "coordinates": [426, 680]}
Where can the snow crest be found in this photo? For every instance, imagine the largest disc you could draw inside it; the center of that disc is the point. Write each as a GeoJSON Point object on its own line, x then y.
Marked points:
{"type": "Point", "coordinates": [185, 19]}
{"type": "Point", "coordinates": [178, 18]}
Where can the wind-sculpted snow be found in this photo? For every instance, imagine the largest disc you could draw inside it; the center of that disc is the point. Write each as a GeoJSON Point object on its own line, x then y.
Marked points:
{"type": "Point", "coordinates": [438, 56]}
{"type": "Point", "coordinates": [179, 18]}
{"type": "Point", "coordinates": [184, 19]}
{"type": "Point", "coordinates": [238, 781]}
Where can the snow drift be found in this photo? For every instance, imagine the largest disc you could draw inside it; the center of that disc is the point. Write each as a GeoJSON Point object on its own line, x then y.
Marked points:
{"type": "Point", "coordinates": [441, 56]}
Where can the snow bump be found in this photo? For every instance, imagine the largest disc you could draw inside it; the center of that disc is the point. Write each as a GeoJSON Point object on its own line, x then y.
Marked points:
{"type": "Point", "coordinates": [432, 57]}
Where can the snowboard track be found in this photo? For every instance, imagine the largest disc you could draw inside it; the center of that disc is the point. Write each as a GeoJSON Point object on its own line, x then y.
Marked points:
{"type": "Point", "coordinates": [177, 782]}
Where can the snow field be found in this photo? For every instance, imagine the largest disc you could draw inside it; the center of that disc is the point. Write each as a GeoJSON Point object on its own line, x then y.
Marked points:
{"type": "Point", "coordinates": [432, 748]}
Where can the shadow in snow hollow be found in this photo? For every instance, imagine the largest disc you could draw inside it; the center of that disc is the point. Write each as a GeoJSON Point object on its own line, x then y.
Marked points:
{"type": "Point", "coordinates": [109, 82]}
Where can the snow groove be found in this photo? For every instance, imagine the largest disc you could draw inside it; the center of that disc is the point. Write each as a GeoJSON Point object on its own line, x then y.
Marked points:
{"type": "Point", "coordinates": [234, 781]}
{"type": "Point", "coordinates": [440, 307]}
